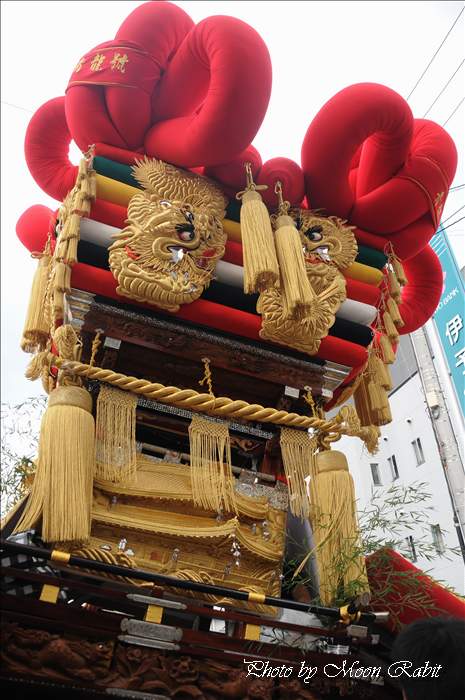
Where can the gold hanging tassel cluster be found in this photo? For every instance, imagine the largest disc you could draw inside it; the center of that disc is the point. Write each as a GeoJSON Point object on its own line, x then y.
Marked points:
{"type": "Point", "coordinates": [389, 327]}
{"type": "Point", "coordinates": [371, 395]}
{"type": "Point", "coordinates": [385, 347]}
{"type": "Point", "coordinates": [211, 473]}
{"type": "Point", "coordinates": [260, 263]}
{"type": "Point", "coordinates": [76, 205]}
{"type": "Point", "coordinates": [298, 453]}
{"type": "Point", "coordinates": [396, 265]}
{"type": "Point", "coordinates": [116, 453]}
{"type": "Point", "coordinates": [37, 324]}
{"type": "Point", "coordinates": [393, 309]}
{"type": "Point", "coordinates": [335, 528]}
{"type": "Point", "coordinates": [296, 290]}
{"type": "Point", "coordinates": [61, 495]}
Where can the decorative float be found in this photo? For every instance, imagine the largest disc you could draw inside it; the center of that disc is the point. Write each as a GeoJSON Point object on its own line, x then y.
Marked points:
{"type": "Point", "coordinates": [177, 258]}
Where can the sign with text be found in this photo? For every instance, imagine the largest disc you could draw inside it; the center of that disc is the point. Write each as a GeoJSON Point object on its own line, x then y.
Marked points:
{"type": "Point", "coordinates": [449, 317]}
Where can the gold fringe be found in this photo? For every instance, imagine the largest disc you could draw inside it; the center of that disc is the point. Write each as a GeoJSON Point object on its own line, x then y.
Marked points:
{"type": "Point", "coordinates": [386, 349]}
{"type": "Point", "coordinates": [298, 453]}
{"type": "Point", "coordinates": [391, 331]}
{"type": "Point", "coordinates": [394, 286]}
{"type": "Point", "coordinates": [335, 527]}
{"type": "Point", "coordinates": [370, 397]}
{"type": "Point", "coordinates": [61, 493]}
{"type": "Point", "coordinates": [260, 263]}
{"type": "Point", "coordinates": [37, 326]}
{"type": "Point", "coordinates": [399, 271]}
{"type": "Point", "coordinates": [116, 454]}
{"type": "Point", "coordinates": [211, 473]}
{"type": "Point", "coordinates": [382, 373]}
{"type": "Point", "coordinates": [296, 290]}
{"type": "Point", "coordinates": [391, 306]}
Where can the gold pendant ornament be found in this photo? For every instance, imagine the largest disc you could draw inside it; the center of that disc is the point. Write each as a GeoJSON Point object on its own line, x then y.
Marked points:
{"type": "Point", "coordinates": [174, 237]}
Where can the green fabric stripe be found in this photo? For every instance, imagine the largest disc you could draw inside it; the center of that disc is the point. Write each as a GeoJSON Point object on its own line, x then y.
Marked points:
{"type": "Point", "coordinates": [115, 171]}
{"type": "Point", "coordinates": [371, 257]}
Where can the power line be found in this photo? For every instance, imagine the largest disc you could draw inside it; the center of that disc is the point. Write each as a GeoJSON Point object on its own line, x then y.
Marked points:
{"type": "Point", "coordinates": [455, 212]}
{"type": "Point", "coordinates": [454, 111]}
{"type": "Point", "coordinates": [435, 54]}
{"type": "Point", "coordinates": [453, 223]}
{"type": "Point", "coordinates": [457, 187]}
{"type": "Point", "coordinates": [444, 88]}
{"type": "Point", "coordinates": [24, 109]}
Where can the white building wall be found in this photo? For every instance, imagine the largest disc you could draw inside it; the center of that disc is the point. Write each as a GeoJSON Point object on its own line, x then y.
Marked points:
{"type": "Point", "coordinates": [410, 421]}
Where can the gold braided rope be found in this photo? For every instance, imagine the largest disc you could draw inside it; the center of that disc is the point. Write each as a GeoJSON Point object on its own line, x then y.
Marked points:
{"type": "Point", "coordinates": [221, 406]}
{"type": "Point", "coordinates": [191, 399]}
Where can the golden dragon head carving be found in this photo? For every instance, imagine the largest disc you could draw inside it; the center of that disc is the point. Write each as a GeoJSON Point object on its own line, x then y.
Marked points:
{"type": "Point", "coordinates": [329, 246]}
{"type": "Point", "coordinates": [168, 250]}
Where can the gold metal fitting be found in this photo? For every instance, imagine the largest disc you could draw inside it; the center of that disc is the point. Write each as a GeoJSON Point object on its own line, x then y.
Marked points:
{"type": "Point", "coordinates": [256, 597]}
{"type": "Point", "coordinates": [61, 557]}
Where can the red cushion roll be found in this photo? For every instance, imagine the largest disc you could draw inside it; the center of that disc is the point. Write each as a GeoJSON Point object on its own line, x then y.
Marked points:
{"type": "Point", "coordinates": [289, 174]}
{"type": "Point", "coordinates": [46, 147]}
{"type": "Point", "coordinates": [231, 175]}
{"type": "Point", "coordinates": [389, 565]}
{"type": "Point", "coordinates": [421, 295]}
{"type": "Point", "coordinates": [360, 291]}
{"type": "Point", "coordinates": [337, 132]}
{"type": "Point", "coordinates": [396, 184]}
{"type": "Point", "coordinates": [213, 96]}
{"type": "Point", "coordinates": [109, 213]}
{"type": "Point", "coordinates": [115, 107]}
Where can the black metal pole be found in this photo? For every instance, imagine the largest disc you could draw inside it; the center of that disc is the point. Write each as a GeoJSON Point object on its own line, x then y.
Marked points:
{"type": "Point", "coordinates": [81, 562]}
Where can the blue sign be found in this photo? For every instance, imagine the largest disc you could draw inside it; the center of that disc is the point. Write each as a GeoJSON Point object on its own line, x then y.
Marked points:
{"type": "Point", "coordinates": [449, 317]}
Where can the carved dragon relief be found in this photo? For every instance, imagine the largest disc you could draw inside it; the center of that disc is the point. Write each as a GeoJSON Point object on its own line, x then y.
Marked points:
{"type": "Point", "coordinates": [168, 251]}
{"type": "Point", "coordinates": [329, 246]}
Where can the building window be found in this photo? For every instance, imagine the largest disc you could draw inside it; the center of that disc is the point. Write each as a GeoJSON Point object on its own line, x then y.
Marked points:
{"type": "Point", "coordinates": [418, 449]}
{"type": "Point", "coordinates": [438, 539]}
{"type": "Point", "coordinates": [393, 466]}
{"type": "Point", "coordinates": [375, 474]}
{"type": "Point", "coordinates": [412, 552]}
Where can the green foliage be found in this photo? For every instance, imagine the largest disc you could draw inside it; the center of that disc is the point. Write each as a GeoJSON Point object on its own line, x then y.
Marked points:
{"type": "Point", "coordinates": [20, 432]}
{"type": "Point", "coordinates": [385, 523]}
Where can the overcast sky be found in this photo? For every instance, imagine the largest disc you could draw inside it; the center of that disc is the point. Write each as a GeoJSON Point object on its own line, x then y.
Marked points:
{"type": "Point", "coordinates": [316, 48]}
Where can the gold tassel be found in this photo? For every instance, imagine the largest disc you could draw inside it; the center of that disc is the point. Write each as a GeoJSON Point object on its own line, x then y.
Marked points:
{"type": "Point", "coordinates": [260, 263]}
{"type": "Point", "coordinates": [116, 454]}
{"type": "Point", "coordinates": [384, 375]}
{"type": "Point", "coordinates": [298, 453]}
{"type": "Point", "coordinates": [386, 349]}
{"type": "Point", "coordinates": [399, 271]}
{"type": "Point", "coordinates": [335, 528]}
{"type": "Point", "coordinates": [37, 324]}
{"type": "Point", "coordinates": [374, 396]}
{"type": "Point", "coordinates": [394, 286]}
{"type": "Point", "coordinates": [396, 265]}
{"type": "Point", "coordinates": [61, 495]}
{"type": "Point", "coordinates": [385, 415]}
{"type": "Point", "coordinates": [391, 306]}
{"type": "Point", "coordinates": [379, 371]}
{"type": "Point", "coordinates": [362, 404]}
{"type": "Point", "coordinates": [391, 331]}
{"type": "Point", "coordinates": [62, 277]}
{"type": "Point", "coordinates": [296, 290]}
{"type": "Point", "coordinates": [211, 473]}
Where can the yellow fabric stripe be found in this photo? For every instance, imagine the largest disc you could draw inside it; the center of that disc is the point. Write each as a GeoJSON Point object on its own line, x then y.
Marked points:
{"type": "Point", "coordinates": [115, 191]}
{"type": "Point", "coordinates": [363, 273]}
{"type": "Point", "coordinates": [233, 230]}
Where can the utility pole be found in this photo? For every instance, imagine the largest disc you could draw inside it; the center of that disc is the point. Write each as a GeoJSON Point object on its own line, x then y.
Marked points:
{"type": "Point", "coordinates": [443, 431]}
